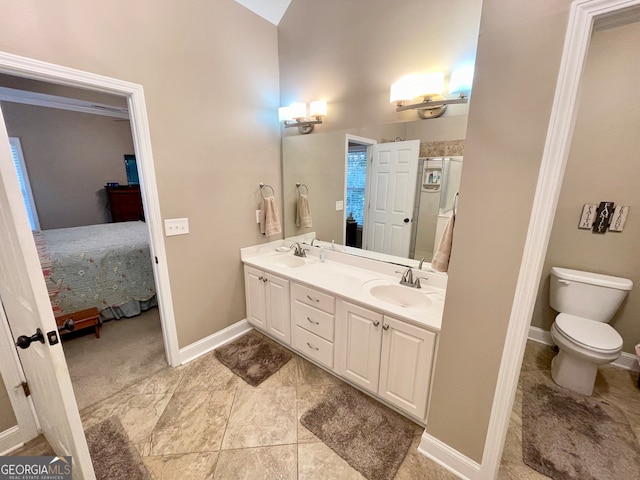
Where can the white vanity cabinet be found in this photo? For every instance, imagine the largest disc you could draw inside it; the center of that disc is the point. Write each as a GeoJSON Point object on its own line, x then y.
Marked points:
{"type": "Point", "coordinates": [313, 319]}
{"type": "Point", "coordinates": [268, 306]}
{"type": "Point", "coordinates": [386, 356]}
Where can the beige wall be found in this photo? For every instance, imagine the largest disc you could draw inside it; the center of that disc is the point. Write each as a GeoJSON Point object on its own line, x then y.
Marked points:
{"type": "Point", "coordinates": [350, 53]}
{"type": "Point", "coordinates": [602, 166]}
{"type": "Point", "coordinates": [516, 72]}
{"type": "Point", "coordinates": [69, 158]}
{"type": "Point", "coordinates": [210, 77]}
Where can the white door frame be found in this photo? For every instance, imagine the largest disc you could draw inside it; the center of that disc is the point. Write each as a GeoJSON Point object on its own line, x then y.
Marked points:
{"type": "Point", "coordinates": [554, 160]}
{"type": "Point", "coordinates": [48, 72]}
{"type": "Point", "coordinates": [369, 142]}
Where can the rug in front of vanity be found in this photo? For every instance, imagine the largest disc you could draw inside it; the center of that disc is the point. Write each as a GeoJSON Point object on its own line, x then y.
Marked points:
{"type": "Point", "coordinates": [370, 437]}
{"type": "Point", "coordinates": [568, 436]}
{"type": "Point", "coordinates": [252, 357]}
{"type": "Point", "coordinates": [112, 453]}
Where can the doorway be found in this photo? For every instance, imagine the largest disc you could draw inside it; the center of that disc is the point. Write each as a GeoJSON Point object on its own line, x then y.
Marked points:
{"type": "Point", "coordinates": [62, 426]}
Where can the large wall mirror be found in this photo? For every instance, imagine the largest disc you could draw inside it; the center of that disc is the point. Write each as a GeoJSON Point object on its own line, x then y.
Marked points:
{"type": "Point", "coordinates": [337, 171]}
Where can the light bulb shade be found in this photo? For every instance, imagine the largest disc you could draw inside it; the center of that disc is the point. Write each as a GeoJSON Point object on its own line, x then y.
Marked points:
{"type": "Point", "coordinates": [428, 84]}
{"type": "Point", "coordinates": [298, 110]}
{"type": "Point", "coordinates": [461, 80]}
{"type": "Point", "coordinates": [401, 91]}
{"type": "Point", "coordinates": [284, 114]}
{"type": "Point", "coordinates": [318, 108]}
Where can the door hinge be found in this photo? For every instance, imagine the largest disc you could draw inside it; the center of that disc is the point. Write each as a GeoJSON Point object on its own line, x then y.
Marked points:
{"type": "Point", "coordinates": [156, 260]}
{"type": "Point", "coordinates": [25, 389]}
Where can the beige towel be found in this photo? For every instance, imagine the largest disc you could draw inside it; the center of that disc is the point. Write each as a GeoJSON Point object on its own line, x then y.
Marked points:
{"type": "Point", "coordinates": [303, 214]}
{"type": "Point", "coordinates": [440, 260]}
{"type": "Point", "coordinates": [269, 217]}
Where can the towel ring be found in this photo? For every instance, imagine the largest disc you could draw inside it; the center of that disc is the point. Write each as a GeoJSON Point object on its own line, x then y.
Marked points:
{"type": "Point", "coordinates": [262, 187]}
{"type": "Point", "coordinates": [300, 185]}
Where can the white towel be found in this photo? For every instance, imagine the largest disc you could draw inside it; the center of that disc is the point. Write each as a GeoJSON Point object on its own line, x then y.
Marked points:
{"type": "Point", "coordinates": [303, 213]}
{"type": "Point", "coordinates": [440, 260]}
{"type": "Point", "coordinates": [269, 217]}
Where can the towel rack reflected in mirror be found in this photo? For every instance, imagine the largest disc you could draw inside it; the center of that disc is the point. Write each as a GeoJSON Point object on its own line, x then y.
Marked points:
{"type": "Point", "coordinates": [300, 185]}
{"type": "Point", "coordinates": [262, 187]}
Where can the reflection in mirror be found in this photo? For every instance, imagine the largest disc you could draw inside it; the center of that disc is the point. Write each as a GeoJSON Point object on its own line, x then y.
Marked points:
{"type": "Point", "coordinates": [336, 196]}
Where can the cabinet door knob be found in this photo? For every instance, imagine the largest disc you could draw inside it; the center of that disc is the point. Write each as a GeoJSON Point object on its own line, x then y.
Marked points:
{"type": "Point", "coordinates": [264, 279]}
{"type": "Point", "coordinates": [376, 323]}
{"type": "Point", "coordinates": [385, 327]}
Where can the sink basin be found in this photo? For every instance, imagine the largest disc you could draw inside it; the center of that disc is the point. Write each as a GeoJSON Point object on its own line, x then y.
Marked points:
{"type": "Point", "coordinates": [400, 296]}
{"type": "Point", "coordinates": [288, 260]}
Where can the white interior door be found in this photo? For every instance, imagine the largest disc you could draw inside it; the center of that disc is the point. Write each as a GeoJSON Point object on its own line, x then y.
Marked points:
{"type": "Point", "coordinates": [24, 426]}
{"type": "Point", "coordinates": [391, 197]}
{"type": "Point", "coordinates": [26, 303]}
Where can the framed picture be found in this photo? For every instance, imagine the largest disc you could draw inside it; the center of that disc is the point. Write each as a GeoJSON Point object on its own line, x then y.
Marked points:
{"type": "Point", "coordinates": [132, 169]}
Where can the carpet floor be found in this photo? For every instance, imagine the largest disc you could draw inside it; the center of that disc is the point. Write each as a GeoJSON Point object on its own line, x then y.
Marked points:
{"type": "Point", "coordinates": [127, 351]}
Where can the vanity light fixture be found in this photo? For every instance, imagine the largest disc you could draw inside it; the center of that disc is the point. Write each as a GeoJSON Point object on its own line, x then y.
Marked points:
{"type": "Point", "coordinates": [295, 115]}
{"type": "Point", "coordinates": [429, 88]}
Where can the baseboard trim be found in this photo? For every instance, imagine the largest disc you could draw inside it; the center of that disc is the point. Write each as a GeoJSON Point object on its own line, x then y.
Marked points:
{"type": "Point", "coordinates": [449, 458]}
{"type": "Point", "coordinates": [627, 361]}
{"type": "Point", "coordinates": [207, 344]}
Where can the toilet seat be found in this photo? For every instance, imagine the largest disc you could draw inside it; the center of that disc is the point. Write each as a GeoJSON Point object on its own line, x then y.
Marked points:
{"type": "Point", "coordinates": [590, 334]}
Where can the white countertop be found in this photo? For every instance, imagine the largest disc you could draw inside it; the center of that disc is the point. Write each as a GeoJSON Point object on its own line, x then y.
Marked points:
{"type": "Point", "coordinates": [346, 280]}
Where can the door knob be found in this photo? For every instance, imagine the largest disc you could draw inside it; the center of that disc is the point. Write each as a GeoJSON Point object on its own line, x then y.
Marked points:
{"type": "Point", "coordinates": [24, 341]}
{"type": "Point", "coordinates": [68, 325]}
{"type": "Point", "coordinates": [406, 220]}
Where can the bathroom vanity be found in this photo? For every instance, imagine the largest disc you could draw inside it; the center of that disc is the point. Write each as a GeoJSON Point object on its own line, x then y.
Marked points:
{"type": "Point", "coordinates": [351, 317]}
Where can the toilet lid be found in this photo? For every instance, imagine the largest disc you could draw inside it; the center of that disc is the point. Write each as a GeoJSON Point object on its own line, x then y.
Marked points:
{"type": "Point", "coordinates": [589, 333]}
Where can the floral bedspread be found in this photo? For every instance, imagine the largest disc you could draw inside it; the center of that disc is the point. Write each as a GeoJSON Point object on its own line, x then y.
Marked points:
{"type": "Point", "coordinates": [96, 266]}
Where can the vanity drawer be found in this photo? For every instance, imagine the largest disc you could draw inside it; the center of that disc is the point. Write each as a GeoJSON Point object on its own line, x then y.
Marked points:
{"type": "Point", "coordinates": [314, 320]}
{"type": "Point", "coordinates": [314, 298]}
{"type": "Point", "coordinates": [313, 346]}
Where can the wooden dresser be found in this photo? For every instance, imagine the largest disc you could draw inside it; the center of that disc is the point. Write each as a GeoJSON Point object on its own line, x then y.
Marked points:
{"type": "Point", "coordinates": [125, 203]}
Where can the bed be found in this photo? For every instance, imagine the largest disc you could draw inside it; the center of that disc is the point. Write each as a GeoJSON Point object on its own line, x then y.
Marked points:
{"type": "Point", "coordinates": [105, 266]}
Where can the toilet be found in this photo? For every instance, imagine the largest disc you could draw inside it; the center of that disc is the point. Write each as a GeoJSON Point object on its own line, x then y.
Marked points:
{"type": "Point", "coordinates": [585, 303]}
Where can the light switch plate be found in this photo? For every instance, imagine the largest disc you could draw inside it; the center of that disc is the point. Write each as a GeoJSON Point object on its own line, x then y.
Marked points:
{"type": "Point", "coordinates": [339, 205]}
{"type": "Point", "coordinates": [176, 226]}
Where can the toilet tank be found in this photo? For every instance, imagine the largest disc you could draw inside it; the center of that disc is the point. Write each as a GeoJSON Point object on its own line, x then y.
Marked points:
{"type": "Point", "coordinates": [585, 294]}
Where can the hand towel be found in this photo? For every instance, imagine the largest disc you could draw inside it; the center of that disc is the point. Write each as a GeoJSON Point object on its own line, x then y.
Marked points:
{"type": "Point", "coordinates": [269, 217]}
{"type": "Point", "coordinates": [303, 214]}
{"type": "Point", "coordinates": [440, 260]}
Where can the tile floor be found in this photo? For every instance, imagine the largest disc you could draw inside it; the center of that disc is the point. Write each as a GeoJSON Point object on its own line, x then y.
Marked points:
{"type": "Point", "coordinates": [200, 421]}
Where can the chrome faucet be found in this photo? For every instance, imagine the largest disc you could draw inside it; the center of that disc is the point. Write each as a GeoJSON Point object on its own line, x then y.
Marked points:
{"type": "Point", "coordinates": [408, 280]}
{"type": "Point", "coordinates": [421, 262]}
{"type": "Point", "coordinates": [298, 251]}
{"type": "Point", "coordinates": [313, 240]}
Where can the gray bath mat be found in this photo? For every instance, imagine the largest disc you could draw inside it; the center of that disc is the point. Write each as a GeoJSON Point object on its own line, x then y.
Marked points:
{"type": "Point", "coordinates": [252, 357]}
{"type": "Point", "coordinates": [112, 454]}
{"type": "Point", "coordinates": [370, 437]}
{"type": "Point", "coordinates": [568, 436]}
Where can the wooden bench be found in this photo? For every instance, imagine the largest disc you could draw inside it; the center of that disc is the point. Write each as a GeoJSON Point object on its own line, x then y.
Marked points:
{"type": "Point", "coordinates": [82, 319]}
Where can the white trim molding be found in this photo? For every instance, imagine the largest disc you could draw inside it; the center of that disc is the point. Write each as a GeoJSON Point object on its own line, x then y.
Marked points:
{"type": "Point", "coordinates": [449, 458]}
{"type": "Point", "coordinates": [554, 159]}
{"type": "Point", "coordinates": [35, 69]}
{"type": "Point", "coordinates": [210, 343]}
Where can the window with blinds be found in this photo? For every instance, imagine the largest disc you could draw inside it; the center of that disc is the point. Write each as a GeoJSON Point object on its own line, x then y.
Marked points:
{"type": "Point", "coordinates": [356, 181]}
{"type": "Point", "coordinates": [25, 186]}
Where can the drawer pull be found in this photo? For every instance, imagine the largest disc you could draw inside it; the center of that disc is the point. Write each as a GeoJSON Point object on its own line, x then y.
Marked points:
{"type": "Point", "coordinates": [313, 299]}
{"type": "Point", "coordinates": [311, 321]}
{"type": "Point", "coordinates": [312, 347]}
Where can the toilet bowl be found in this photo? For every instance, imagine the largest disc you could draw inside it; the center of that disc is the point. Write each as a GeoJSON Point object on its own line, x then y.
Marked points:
{"type": "Point", "coordinates": [586, 302]}
{"type": "Point", "coordinates": [584, 344]}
